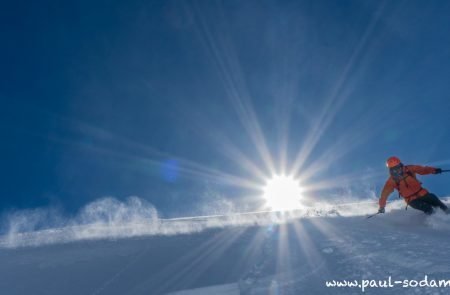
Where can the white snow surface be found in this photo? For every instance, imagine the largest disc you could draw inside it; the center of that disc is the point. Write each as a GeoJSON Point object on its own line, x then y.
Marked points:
{"type": "Point", "coordinates": [258, 253]}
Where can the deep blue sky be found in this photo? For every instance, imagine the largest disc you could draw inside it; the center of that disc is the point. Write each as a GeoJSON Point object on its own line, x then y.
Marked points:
{"type": "Point", "coordinates": [157, 98]}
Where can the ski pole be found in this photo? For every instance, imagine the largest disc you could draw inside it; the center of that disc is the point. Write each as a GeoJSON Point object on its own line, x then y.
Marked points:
{"type": "Point", "coordinates": [370, 216]}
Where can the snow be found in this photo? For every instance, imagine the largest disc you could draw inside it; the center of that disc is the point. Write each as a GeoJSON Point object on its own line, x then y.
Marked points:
{"type": "Point", "coordinates": [255, 254]}
{"type": "Point", "coordinates": [227, 289]}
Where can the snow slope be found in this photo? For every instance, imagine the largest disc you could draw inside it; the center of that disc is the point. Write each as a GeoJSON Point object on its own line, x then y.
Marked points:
{"type": "Point", "coordinates": [246, 255]}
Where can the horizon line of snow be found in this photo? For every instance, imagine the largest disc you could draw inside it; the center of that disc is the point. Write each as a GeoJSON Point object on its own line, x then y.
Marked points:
{"type": "Point", "coordinates": [263, 211]}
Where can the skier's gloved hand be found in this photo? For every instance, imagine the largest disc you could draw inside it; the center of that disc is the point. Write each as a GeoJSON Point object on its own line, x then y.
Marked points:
{"type": "Point", "coordinates": [381, 210]}
{"type": "Point", "coordinates": [438, 171]}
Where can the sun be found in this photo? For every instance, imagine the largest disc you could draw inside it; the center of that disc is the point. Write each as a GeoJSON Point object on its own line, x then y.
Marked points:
{"type": "Point", "coordinates": [282, 193]}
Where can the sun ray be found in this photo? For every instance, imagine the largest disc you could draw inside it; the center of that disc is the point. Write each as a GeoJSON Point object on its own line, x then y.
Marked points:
{"type": "Point", "coordinates": [201, 259]}
{"type": "Point", "coordinates": [340, 181]}
{"type": "Point", "coordinates": [306, 244]}
{"type": "Point", "coordinates": [283, 249]}
{"type": "Point", "coordinates": [223, 53]}
{"type": "Point", "coordinates": [337, 97]}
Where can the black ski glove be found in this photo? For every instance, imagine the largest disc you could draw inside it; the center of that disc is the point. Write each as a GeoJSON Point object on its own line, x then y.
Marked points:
{"type": "Point", "coordinates": [438, 171]}
{"type": "Point", "coordinates": [381, 210]}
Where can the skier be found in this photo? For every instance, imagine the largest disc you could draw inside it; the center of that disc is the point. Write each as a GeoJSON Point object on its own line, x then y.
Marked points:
{"type": "Point", "coordinates": [403, 178]}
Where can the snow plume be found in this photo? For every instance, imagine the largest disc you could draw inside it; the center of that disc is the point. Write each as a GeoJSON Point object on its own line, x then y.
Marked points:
{"type": "Point", "coordinates": [213, 202]}
{"type": "Point", "coordinates": [439, 221]}
{"type": "Point", "coordinates": [349, 201]}
{"type": "Point", "coordinates": [31, 220]}
{"type": "Point", "coordinates": [113, 212]}
{"type": "Point", "coordinates": [216, 206]}
{"type": "Point", "coordinates": [109, 218]}
{"type": "Point", "coordinates": [103, 218]}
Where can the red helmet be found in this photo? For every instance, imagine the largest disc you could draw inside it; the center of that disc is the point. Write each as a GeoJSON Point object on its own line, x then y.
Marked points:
{"type": "Point", "coordinates": [392, 162]}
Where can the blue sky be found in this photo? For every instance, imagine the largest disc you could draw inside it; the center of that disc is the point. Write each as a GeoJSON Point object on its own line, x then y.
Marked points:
{"type": "Point", "coordinates": [184, 102]}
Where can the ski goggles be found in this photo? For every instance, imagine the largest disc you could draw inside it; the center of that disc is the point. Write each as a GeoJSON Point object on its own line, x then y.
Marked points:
{"type": "Point", "coordinates": [396, 171]}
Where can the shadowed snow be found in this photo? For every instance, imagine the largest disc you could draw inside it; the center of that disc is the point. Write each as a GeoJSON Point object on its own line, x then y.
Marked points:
{"type": "Point", "coordinates": [132, 251]}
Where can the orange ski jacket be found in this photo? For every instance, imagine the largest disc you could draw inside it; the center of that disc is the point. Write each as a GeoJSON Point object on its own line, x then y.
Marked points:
{"type": "Point", "coordinates": [409, 187]}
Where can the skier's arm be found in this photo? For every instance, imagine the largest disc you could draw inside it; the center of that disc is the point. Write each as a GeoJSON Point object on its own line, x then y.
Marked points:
{"type": "Point", "coordinates": [387, 190]}
{"type": "Point", "coordinates": [422, 170]}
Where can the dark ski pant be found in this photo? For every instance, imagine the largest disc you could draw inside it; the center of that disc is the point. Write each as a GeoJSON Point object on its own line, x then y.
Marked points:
{"type": "Point", "coordinates": [427, 204]}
